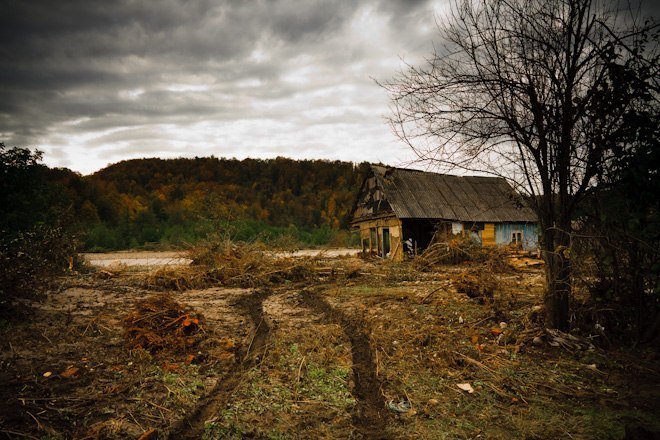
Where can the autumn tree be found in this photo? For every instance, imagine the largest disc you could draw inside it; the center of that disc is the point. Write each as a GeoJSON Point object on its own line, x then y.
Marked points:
{"type": "Point", "coordinates": [538, 92]}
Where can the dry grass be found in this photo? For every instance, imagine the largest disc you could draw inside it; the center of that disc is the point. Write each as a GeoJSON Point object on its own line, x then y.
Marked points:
{"type": "Point", "coordinates": [425, 337]}
{"type": "Point", "coordinates": [247, 265]}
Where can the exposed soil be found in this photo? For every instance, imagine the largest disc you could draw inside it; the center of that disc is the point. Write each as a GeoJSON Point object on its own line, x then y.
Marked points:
{"type": "Point", "coordinates": [113, 391]}
{"type": "Point", "coordinates": [192, 426]}
{"type": "Point", "coordinates": [370, 416]}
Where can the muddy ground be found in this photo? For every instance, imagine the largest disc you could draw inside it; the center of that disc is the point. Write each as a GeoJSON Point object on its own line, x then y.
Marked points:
{"type": "Point", "coordinates": [381, 351]}
{"type": "Point", "coordinates": [173, 258]}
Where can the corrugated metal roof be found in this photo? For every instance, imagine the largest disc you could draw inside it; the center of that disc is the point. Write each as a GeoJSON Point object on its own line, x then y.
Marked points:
{"type": "Point", "coordinates": [419, 194]}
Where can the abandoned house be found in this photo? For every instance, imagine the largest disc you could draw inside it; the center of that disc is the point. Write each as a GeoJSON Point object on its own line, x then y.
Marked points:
{"type": "Point", "coordinates": [399, 211]}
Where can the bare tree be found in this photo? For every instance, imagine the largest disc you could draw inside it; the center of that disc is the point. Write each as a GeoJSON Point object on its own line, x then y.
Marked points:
{"type": "Point", "coordinates": [530, 90]}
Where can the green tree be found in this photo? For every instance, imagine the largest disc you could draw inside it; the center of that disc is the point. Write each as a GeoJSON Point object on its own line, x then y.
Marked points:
{"type": "Point", "coordinates": [34, 244]}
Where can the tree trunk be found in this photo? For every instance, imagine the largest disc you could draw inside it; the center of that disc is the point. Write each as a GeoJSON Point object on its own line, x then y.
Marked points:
{"type": "Point", "coordinates": [556, 253]}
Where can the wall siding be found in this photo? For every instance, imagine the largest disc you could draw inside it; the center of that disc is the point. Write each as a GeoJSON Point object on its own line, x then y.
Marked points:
{"type": "Point", "coordinates": [488, 235]}
{"type": "Point", "coordinates": [530, 234]}
{"type": "Point", "coordinates": [394, 225]}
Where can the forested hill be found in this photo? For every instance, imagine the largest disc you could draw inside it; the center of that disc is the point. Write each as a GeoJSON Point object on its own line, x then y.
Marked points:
{"type": "Point", "coordinates": [176, 201]}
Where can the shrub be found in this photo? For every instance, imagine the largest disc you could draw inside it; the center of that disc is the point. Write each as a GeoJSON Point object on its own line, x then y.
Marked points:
{"type": "Point", "coordinates": [29, 258]}
{"type": "Point", "coordinates": [34, 245]}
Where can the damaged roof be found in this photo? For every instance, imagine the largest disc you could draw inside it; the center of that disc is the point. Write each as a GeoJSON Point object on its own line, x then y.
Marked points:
{"type": "Point", "coordinates": [420, 194]}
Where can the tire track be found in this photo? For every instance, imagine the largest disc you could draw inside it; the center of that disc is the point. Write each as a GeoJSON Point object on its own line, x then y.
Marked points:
{"type": "Point", "coordinates": [192, 426]}
{"type": "Point", "coordinates": [370, 416]}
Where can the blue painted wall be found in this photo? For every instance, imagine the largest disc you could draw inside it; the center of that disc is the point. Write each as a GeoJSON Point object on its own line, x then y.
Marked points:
{"type": "Point", "coordinates": [530, 234]}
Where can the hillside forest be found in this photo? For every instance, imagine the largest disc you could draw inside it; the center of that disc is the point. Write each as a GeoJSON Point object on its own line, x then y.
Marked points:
{"type": "Point", "coordinates": [170, 203]}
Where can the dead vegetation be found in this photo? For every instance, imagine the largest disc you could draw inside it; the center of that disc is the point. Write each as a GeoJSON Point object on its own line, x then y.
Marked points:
{"type": "Point", "coordinates": [477, 284]}
{"type": "Point", "coordinates": [247, 265]}
{"type": "Point", "coordinates": [460, 249]}
{"type": "Point", "coordinates": [338, 349]}
{"type": "Point", "coordinates": [159, 323]}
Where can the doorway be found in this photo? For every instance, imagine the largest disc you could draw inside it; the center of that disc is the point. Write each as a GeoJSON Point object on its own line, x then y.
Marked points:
{"type": "Point", "coordinates": [386, 242]}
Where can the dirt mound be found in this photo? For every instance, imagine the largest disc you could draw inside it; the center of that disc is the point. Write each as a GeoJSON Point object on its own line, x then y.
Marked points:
{"type": "Point", "coordinates": [159, 323]}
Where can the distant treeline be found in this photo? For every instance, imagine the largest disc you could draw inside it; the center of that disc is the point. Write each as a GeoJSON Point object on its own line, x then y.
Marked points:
{"type": "Point", "coordinates": [147, 202]}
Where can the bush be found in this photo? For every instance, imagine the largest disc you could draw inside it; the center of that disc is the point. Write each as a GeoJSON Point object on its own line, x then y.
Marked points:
{"type": "Point", "coordinates": [33, 243]}
{"type": "Point", "coordinates": [101, 238]}
{"type": "Point", "coordinates": [29, 258]}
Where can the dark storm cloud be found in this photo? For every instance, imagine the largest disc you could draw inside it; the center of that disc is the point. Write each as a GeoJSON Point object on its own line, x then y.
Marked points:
{"type": "Point", "coordinates": [79, 59]}
{"type": "Point", "coordinates": [92, 81]}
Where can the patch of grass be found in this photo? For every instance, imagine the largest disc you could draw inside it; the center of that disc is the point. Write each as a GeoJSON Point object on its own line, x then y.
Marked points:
{"type": "Point", "coordinates": [184, 386]}
{"type": "Point", "coordinates": [327, 385]}
{"type": "Point", "coordinates": [299, 390]}
{"type": "Point", "coordinates": [213, 431]}
{"type": "Point", "coordinates": [216, 431]}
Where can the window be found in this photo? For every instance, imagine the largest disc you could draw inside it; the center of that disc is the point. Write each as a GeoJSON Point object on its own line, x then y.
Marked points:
{"type": "Point", "coordinates": [516, 237]}
{"type": "Point", "coordinates": [373, 241]}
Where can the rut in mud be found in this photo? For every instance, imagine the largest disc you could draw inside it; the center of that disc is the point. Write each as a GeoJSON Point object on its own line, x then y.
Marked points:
{"type": "Point", "coordinates": [192, 427]}
{"type": "Point", "coordinates": [370, 416]}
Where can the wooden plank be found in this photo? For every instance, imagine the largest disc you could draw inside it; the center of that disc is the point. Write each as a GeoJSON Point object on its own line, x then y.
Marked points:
{"type": "Point", "coordinates": [488, 235]}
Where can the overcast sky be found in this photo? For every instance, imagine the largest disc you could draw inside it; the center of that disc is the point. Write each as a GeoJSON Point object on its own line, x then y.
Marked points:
{"type": "Point", "coordinates": [95, 82]}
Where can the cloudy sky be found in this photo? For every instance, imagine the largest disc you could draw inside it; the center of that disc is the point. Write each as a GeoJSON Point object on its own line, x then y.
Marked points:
{"type": "Point", "coordinates": [92, 83]}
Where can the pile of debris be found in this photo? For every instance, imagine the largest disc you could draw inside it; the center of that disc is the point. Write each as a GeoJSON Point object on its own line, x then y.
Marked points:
{"type": "Point", "coordinates": [227, 262]}
{"type": "Point", "coordinates": [463, 249]}
{"type": "Point", "coordinates": [456, 250]}
{"type": "Point", "coordinates": [480, 285]}
{"type": "Point", "coordinates": [247, 265]}
{"type": "Point", "coordinates": [160, 324]}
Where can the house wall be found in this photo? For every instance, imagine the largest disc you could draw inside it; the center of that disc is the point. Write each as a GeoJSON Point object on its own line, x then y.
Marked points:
{"type": "Point", "coordinates": [491, 234]}
{"type": "Point", "coordinates": [503, 232]}
{"type": "Point", "coordinates": [488, 236]}
{"type": "Point", "coordinates": [497, 234]}
{"type": "Point", "coordinates": [396, 241]}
